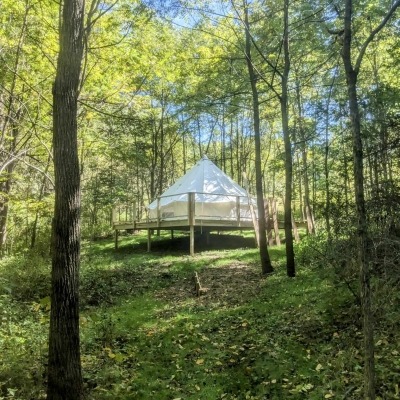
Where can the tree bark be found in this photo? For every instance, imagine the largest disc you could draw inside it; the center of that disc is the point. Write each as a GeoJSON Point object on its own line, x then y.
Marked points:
{"type": "Point", "coordinates": [5, 189]}
{"type": "Point", "coordinates": [290, 264]}
{"type": "Point", "coordinates": [266, 265]}
{"type": "Point", "coordinates": [362, 235]}
{"type": "Point", "coordinates": [64, 366]}
{"type": "Point", "coordinates": [362, 232]}
{"type": "Point", "coordinates": [12, 116]}
{"type": "Point", "coordinates": [303, 147]}
{"type": "Point", "coordinates": [326, 164]}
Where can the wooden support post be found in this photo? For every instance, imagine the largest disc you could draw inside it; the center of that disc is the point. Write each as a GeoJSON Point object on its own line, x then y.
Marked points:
{"type": "Point", "coordinates": [192, 240]}
{"type": "Point", "coordinates": [116, 239]}
{"type": "Point", "coordinates": [172, 234]}
{"type": "Point", "coordinates": [208, 238]}
{"type": "Point", "coordinates": [238, 211]}
{"type": "Point", "coordinates": [191, 219]}
{"type": "Point", "coordinates": [148, 240]}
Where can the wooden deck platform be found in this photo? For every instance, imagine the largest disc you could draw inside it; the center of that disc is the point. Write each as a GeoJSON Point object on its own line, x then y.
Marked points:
{"type": "Point", "coordinates": [184, 225]}
{"type": "Point", "coordinates": [124, 219]}
{"type": "Point", "coordinates": [198, 224]}
{"type": "Point", "coordinates": [191, 222]}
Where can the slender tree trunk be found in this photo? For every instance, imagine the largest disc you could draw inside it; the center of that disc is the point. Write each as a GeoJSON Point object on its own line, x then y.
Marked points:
{"type": "Point", "coordinates": [275, 221]}
{"type": "Point", "coordinates": [41, 193]}
{"type": "Point", "coordinates": [231, 148]}
{"type": "Point", "coordinates": [362, 235]}
{"type": "Point", "coordinates": [11, 117]}
{"type": "Point", "coordinates": [238, 153]}
{"type": "Point", "coordinates": [5, 190]}
{"type": "Point", "coordinates": [8, 180]}
{"type": "Point", "coordinates": [290, 264]}
{"type": "Point", "coordinates": [154, 160]}
{"type": "Point", "coordinates": [184, 151]}
{"type": "Point", "coordinates": [162, 145]}
{"type": "Point", "coordinates": [223, 141]}
{"type": "Point", "coordinates": [326, 165]}
{"type": "Point", "coordinates": [64, 366]}
{"type": "Point", "coordinates": [345, 173]}
{"type": "Point", "coordinates": [303, 146]}
{"type": "Point", "coordinates": [369, 367]}
{"type": "Point", "coordinates": [266, 265]}
{"type": "Point", "coordinates": [381, 125]}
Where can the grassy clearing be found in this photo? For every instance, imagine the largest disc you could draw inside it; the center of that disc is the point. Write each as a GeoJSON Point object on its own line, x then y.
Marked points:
{"type": "Point", "coordinates": [146, 336]}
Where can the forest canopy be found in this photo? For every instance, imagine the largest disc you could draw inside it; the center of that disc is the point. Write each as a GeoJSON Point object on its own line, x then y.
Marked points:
{"type": "Point", "coordinates": [298, 101]}
{"type": "Point", "coordinates": [163, 86]}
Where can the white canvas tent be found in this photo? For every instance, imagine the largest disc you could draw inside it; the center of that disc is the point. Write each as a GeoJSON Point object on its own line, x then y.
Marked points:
{"type": "Point", "coordinates": [206, 192]}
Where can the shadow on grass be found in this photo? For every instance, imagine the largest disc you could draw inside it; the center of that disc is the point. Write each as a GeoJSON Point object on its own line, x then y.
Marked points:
{"type": "Point", "coordinates": [137, 243]}
{"type": "Point", "coordinates": [202, 243]}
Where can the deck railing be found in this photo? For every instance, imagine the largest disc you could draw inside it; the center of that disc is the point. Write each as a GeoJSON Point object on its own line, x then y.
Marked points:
{"type": "Point", "coordinates": [238, 211]}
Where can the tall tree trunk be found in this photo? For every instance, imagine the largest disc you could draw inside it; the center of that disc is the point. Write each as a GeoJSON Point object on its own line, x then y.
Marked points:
{"type": "Point", "coordinates": [162, 144]}
{"type": "Point", "coordinates": [362, 233]}
{"type": "Point", "coordinates": [290, 264]}
{"type": "Point", "coordinates": [303, 147]}
{"type": "Point", "coordinates": [351, 79]}
{"type": "Point", "coordinates": [12, 116]}
{"type": "Point", "coordinates": [238, 152]}
{"type": "Point", "coordinates": [154, 161]}
{"type": "Point", "coordinates": [369, 367]}
{"type": "Point", "coordinates": [231, 148]}
{"type": "Point", "coordinates": [184, 151]}
{"type": "Point", "coordinates": [346, 180]}
{"type": "Point", "coordinates": [326, 164]}
{"type": "Point", "coordinates": [266, 265]}
{"type": "Point", "coordinates": [64, 366]}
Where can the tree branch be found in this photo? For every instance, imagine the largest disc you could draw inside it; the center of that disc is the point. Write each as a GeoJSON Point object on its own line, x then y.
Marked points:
{"type": "Point", "coordinates": [373, 34]}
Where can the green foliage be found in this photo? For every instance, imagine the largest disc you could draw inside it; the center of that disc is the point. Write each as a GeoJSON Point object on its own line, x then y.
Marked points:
{"type": "Point", "coordinates": [146, 335]}
{"type": "Point", "coordinates": [25, 306]}
{"type": "Point", "coordinates": [25, 277]}
{"type": "Point", "coordinates": [23, 339]}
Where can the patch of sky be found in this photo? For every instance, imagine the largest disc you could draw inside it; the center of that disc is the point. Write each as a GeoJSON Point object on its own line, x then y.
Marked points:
{"type": "Point", "coordinates": [188, 14]}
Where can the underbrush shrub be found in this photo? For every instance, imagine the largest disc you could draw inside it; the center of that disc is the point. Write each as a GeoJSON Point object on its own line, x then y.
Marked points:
{"type": "Point", "coordinates": [337, 255]}
{"type": "Point", "coordinates": [385, 255]}
{"type": "Point", "coordinates": [336, 259]}
{"type": "Point", "coordinates": [100, 287]}
{"type": "Point", "coordinates": [309, 250]}
{"type": "Point", "coordinates": [23, 332]}
{"type": "Point", "coordinates": [25, 277]}
{"type": "Point", "coordinates": [385, 282]}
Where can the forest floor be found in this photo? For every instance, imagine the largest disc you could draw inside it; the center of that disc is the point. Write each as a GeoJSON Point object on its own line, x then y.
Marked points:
{"type": "Point", "coordinates": [146, 335]}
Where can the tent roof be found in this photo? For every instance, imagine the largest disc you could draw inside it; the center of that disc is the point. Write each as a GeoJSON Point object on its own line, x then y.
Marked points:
{"type": "Point", "coordinates": [205, 177]}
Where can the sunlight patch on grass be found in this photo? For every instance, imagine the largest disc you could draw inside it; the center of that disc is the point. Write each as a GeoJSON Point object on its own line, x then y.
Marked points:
{"type": "Point", "coordinates": [145, 334]}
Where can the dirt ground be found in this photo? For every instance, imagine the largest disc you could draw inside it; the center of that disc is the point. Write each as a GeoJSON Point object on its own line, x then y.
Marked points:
{"type": "Point", "coordinates": [231, 284]}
